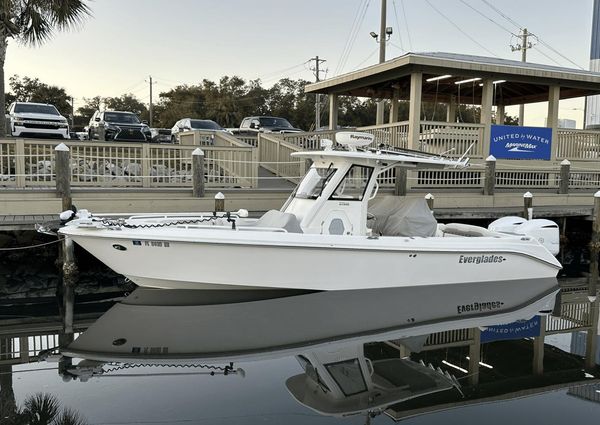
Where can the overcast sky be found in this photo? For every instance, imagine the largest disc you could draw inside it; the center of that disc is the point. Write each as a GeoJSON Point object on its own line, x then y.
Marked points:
{"type": "Point", "coordinates": [184, 41]}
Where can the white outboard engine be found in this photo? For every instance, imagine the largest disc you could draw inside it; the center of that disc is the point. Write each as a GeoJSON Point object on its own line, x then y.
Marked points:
{"type": "Point", "coordinates": [544, 231]}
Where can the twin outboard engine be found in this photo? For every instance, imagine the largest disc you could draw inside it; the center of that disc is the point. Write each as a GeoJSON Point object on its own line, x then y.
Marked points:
{"type": "Point", "coordinates": [544, 231]}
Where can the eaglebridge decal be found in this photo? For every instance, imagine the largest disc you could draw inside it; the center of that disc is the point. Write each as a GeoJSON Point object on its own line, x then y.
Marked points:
{"type": "Point", "coordinates": [512, 142]}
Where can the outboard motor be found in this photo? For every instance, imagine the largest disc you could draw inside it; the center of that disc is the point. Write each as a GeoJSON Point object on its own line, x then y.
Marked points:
{"type": "Point", "coordinates": [544, 231]}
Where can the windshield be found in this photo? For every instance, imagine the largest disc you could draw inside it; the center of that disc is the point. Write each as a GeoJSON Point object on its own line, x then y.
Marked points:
{"type": "Point", "coordinates": [205, 125]}
{"type": "Point", "coordinates": [314, 182]}
{"type": "Point", "coordinates": [348, 375]}
{"type": "Point", "coordinates": [274, 122]}
{"type": "Point", "coordinates": [36, 109]}
{"type": "Point", "coordinates": [121, 117]}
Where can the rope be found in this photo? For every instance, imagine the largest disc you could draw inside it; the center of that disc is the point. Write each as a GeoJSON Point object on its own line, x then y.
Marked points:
{"type": "Point", "coordinates": [21, 248]}
{"type": "Point", "coordinates": [121, 222]}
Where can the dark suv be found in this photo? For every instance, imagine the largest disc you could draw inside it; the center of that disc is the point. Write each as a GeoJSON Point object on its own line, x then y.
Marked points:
{"type": "Point", "coordinates": [118, 126]}
{"type": "Point", "coordinates": [253, 125]}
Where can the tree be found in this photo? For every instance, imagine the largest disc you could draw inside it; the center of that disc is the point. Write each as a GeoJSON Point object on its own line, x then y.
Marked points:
{"type": "Point", "coordinates": [33, 90]}
{"type": "Point", "coordinates": [33, 22]}
{"type": "Point", "coordinates": [127, 102]}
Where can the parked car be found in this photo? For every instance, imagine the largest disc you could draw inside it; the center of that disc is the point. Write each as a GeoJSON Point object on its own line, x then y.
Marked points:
{"type": "Point", "coordinates": [118, 126]}
{"type": "Point", "coordinates": [161, 135]}
{"type": "Point", "coordinates": [253, 125]}
{"type": "Point", "coordinates": [37, 119]}
{"type": "Point", "coordinates": [187, 124]}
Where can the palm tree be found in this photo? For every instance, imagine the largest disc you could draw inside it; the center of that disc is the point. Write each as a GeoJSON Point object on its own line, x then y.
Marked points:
{"type": "Point", "coordinates": [33, 22]}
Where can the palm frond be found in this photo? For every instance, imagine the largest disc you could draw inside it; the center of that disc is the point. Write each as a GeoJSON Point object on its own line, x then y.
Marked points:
{"type": "Point", "coordinates": [69, 417]}
{"type": "Point", "coordinates": [40, 408]}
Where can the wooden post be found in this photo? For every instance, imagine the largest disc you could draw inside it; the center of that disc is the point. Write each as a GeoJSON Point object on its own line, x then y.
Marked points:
{"type": "Point", "coordinates": [527, 205]}
{"type": "Point", "coordinates": [487, 97]}
{"type": "Point", "coordinates": [333, 111]}
{"type": "Point", "coordinates": [451, 111]}
{"type": "Point", "coordinates": [69, 280]}
{"type": "Point", "coordinates": [219, 202]}
{"type": "Point", "coordinates": [500, 115]}
{"type": "Point", "coordinates": [146, 180]}
{"type": "Point", "coordinates": [490, 175]}
{"type": "Point", "coordinates": [552, 121]}
{"type": "Point", "coordinates": [62, 170]}
{"type": "Point", "coordinates": [401, 181]}
{"type": "Point", "coordinates": [538, 348]}
{"type": "Point", "coordinates": [594, 250]}
{"type": "Point", "coordinates": [591, 339]}
{"type": "Point", "coordinates": [474, 357]}
{"type": "Point", "coordinates": [565, 174]}
{"type": "Point", "coordinates": [20, 163]}
{"type": "Point", "coordinates": [198, 173]}
{"type": "Point", "coordinates": [414, 112]}
{"type": "Point", "coordinates": [430, 198]}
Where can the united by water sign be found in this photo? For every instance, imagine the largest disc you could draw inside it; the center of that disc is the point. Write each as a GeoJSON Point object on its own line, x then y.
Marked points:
{"type": "Point", "coordinates": [513, 142]}
{"type": "Point", "coordinates": [516, 330]}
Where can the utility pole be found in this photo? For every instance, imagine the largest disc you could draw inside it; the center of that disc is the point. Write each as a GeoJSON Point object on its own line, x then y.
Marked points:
{"type": "Point", "coordinates": [382, 38]}
{"type": "Point", "coordinates": [317, 72]}
{"type": "Point", "coordinates": [72, 112]}
{"type": "Point", "coordinates": [150, 108]}
{"type": "Point", "coordinates": [523, 45]}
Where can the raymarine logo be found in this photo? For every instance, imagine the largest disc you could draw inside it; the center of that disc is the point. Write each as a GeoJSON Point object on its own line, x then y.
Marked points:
{"type": "Point", "coordinates": [359, 137]}
{"type": "Point", "coordinates": [480, 259]}
{"type": "Point", "coordinates": [479, 307]}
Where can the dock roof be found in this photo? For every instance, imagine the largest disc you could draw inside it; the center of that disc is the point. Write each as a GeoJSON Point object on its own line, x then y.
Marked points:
{"type": "Point", "coordinates": [525, 82]}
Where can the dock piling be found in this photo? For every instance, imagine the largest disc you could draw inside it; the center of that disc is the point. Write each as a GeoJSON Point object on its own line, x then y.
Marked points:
{"type": "Point", "coordinates": [219, 202]}
{"type": "Point", "coordinates": [62, 170]}
{"type": "Point", "coordinates": [490, 175]}
{"type": "Point", "coordinates": [594, 250]}
{"type": "Point", "coordinates": [198, 173]}
{"type": "Point", "coordinates": [429, 198]}
{"type": "Point", "coordinates": [528, 205]}
{"type": "Point", "coordinates": [401, 181]}
{"type": "Point", "coordinates": [565, 174]}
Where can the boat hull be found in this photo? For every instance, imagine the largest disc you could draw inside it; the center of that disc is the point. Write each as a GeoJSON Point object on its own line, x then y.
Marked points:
{"type": "Point", "coordinates": [313, 262]}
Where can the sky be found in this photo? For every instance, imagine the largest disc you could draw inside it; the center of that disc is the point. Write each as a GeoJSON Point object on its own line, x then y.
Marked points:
{"type": "Point", "coordinates": [185, 41]}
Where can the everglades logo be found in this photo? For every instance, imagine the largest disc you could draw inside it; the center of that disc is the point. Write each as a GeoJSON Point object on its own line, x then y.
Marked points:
{"type": "Point", "coordinates": [481, 259]}
{"type": "Point", "coordinates": [478, 307]}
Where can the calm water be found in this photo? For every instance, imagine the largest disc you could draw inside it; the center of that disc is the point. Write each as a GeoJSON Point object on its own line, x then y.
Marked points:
{"type": "Point", "coordinates": [304, 358]}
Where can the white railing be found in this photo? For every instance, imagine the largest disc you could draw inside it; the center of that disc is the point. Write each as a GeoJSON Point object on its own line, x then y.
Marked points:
{"type": "Point", "coordinates": [394, 134]}
{"type": "Point", "coordinates": [578, 144]}
{"type": "Point", "coordinates": [527, 177]}
{"type": "Point", "coordinates": [431, 179]}
{"type": "Point", "coordinates": [30, 163]}
{"type": "Point", "coordinates": [275, 156]}
{"type": "Point", "coordinates": [451, 139]}
{"type": "Point", "coordinates": [572, 317]}
{"type": "Point", "coordinates": [581, 178]}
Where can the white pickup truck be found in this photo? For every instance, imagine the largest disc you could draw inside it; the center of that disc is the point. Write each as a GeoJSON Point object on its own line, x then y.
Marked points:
{"type": "Point", "coordinates": [32, 119]}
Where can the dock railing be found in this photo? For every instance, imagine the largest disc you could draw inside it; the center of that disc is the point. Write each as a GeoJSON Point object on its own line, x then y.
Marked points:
{"type": "Point", "coordinates": [30, 163]}
{"type": "Point", "coordinates": [274, 154]}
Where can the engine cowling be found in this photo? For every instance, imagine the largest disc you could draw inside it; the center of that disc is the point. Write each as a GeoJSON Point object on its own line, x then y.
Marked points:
{"type": "Point", "coordinates": [546, 232]}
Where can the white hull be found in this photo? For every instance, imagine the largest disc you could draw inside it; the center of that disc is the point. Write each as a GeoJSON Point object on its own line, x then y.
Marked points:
{"type": "Point", "coordinates": [214, 258]}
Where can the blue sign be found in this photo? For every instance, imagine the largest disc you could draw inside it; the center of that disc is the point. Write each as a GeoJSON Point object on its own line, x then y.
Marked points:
{"type": "Point", "coordinates": [516, 330]}
{"type": "Point", "coordinates": [513, 142]}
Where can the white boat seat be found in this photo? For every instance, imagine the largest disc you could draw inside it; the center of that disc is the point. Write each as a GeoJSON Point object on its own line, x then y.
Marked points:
{"type": "Point", "coordinates": [467, 230]}
{"type": "Point", "coordinates": [279, 220]}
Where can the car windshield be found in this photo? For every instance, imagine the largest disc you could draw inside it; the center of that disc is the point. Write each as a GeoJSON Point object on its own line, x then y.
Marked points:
{"type": "Point", "coordinates": [205, 125]}
{"type": "Point", "coordinates": [274, 122]}
{"type": "Point", "coordinates": [121, 117]}
{"type": "Point", "coordinates": [36, 109]}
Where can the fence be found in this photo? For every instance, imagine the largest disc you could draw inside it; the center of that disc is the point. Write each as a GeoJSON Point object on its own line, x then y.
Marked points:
{"type": "Point", "coordinates": [274, 154]}
{"type": "Point", "coordinates": [578, 145]}
{"type": "Point", "coordinates": [30, 163]}
{"type": "Point", "coordinates": [451, 139]}
{"type": "Point", "coordinates": [395, 134]}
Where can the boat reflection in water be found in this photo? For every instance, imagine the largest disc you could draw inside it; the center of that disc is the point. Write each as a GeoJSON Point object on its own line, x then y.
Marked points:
{"type": "Point", "coordinates": [346, 341]}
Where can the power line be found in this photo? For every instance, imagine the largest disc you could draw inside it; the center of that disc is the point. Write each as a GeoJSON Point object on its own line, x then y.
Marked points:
{"type": "Point", "coordinates": [460, 29]}
{"type": "Point", "coordinates": [487, 17]}
{"type": "Point", "coordinates": [406, 23]}
{"type": "Point", "coordinates": [398, 24]}
{"type": "Point", "coordinates": [368, 57]}
{"type": "Point", "coordinates": [352, 40]}
{"type": "Point", "coordinates": [352, 28]}
{"type": "Point", "coordinates": [542, 42]}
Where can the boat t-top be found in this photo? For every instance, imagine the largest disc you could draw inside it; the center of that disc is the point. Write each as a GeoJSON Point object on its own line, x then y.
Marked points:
{"type": "Point", "coordinates": [333, 233]}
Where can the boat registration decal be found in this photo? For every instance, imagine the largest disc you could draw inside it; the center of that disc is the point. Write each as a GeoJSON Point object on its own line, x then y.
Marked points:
{"type": "Point", "coordinates": [479, 307]}
{"type": "Point", "coordinates": [157, 244]}
{"type": "Point", "coordinates": [481, 259]}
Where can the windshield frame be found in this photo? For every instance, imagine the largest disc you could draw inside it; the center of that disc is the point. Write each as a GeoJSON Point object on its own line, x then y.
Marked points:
{"type": "Point", "coordinates": [212, 125]}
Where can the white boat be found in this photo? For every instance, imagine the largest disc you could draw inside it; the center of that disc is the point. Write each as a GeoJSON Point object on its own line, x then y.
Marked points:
{"type": "Point", "coordinates": [323, 238]}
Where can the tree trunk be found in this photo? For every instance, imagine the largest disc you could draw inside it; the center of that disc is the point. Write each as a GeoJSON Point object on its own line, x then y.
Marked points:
{"type": "Point", "coordinates": [3, 129]}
